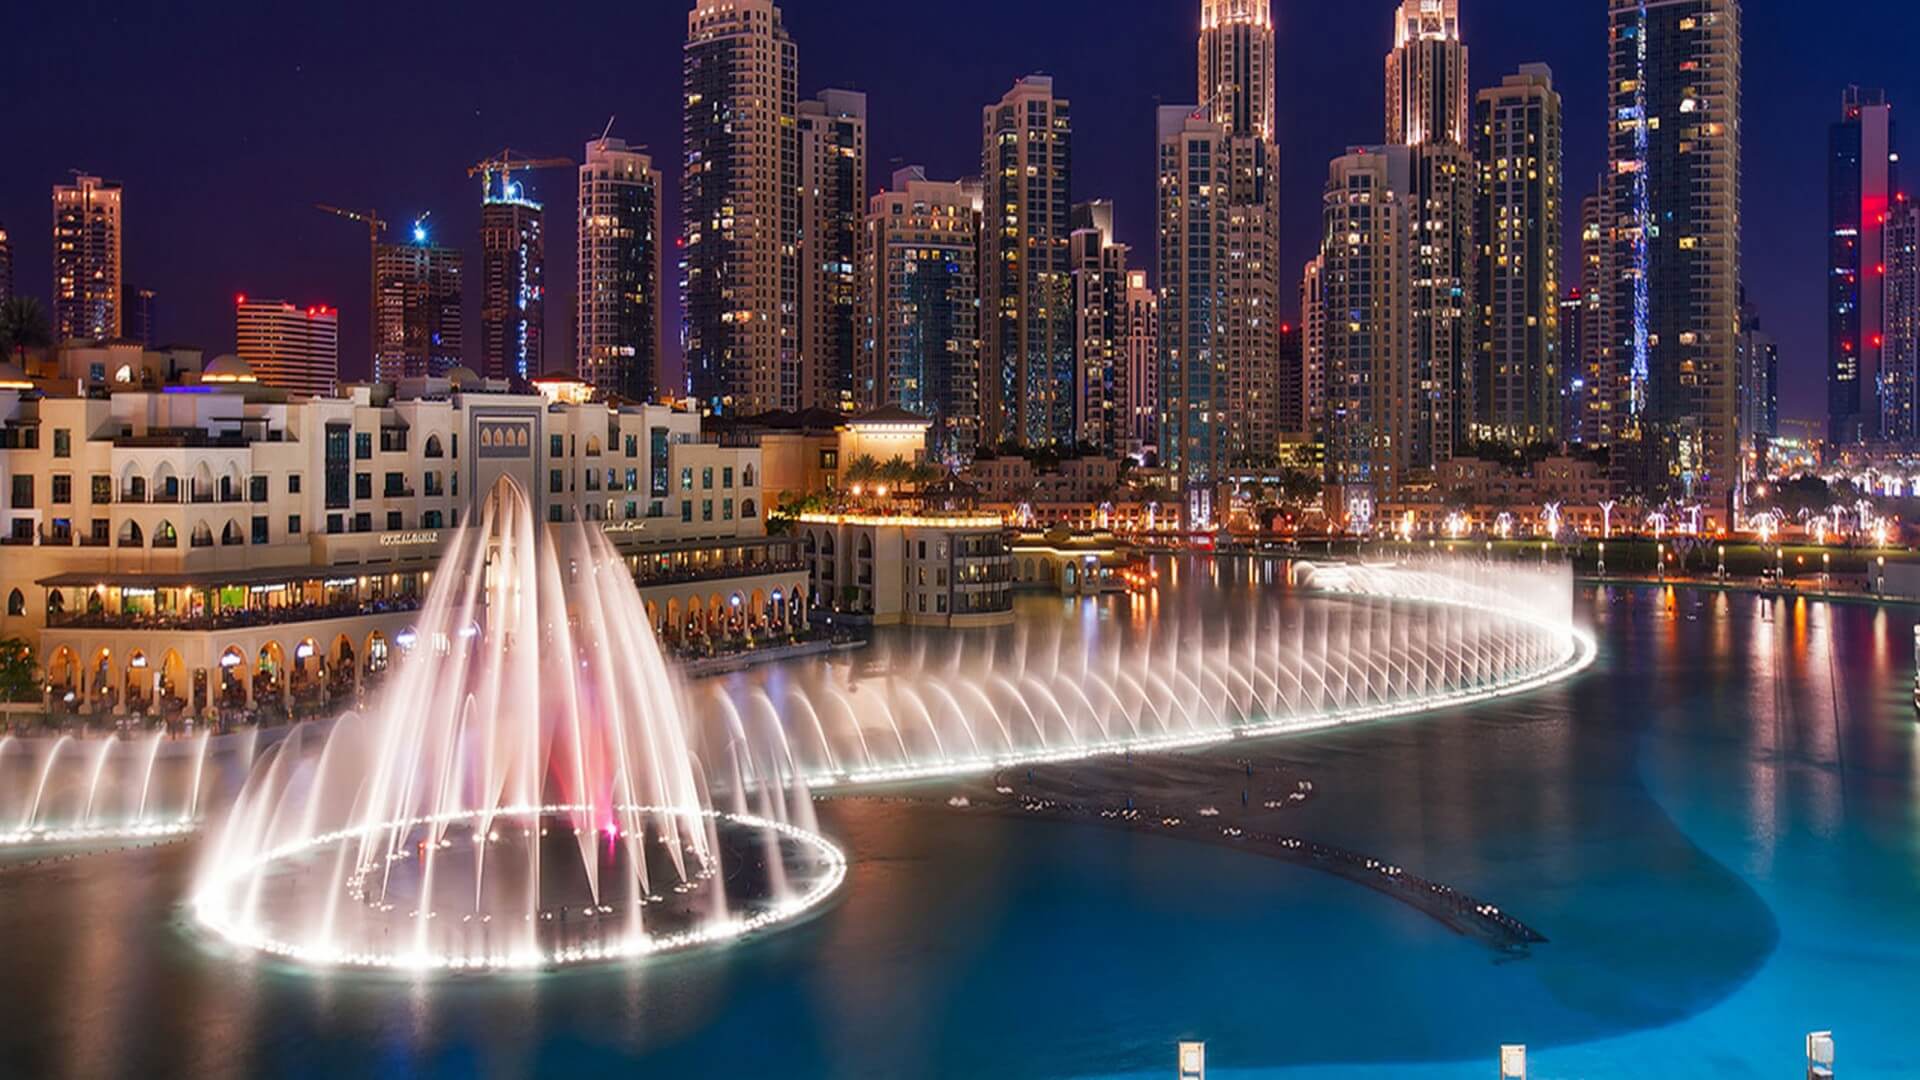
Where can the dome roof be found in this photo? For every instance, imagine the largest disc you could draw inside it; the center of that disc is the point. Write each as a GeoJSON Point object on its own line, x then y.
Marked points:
{"type": "Point", "coordinates": [460, 375]}
{"type": "Point", "coordinates": [227, 368]}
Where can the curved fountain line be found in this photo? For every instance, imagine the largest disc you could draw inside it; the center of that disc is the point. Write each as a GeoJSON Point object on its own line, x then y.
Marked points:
{"type": "Point", "coordinates": [1580, 655]}
{"type": "Point", "coordinates": [215, 914]}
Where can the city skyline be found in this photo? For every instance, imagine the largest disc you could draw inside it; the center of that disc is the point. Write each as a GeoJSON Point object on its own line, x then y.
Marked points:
{"type": "Point", "coordinates": [193, 242]}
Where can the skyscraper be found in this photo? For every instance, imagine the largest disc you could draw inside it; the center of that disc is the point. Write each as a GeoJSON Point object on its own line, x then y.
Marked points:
{"type": "Point", "coordinates": [618, 308]}
{"type": "Point", "coordinates": [739, 205]}
{"type": "Point", "coordinates": [513, 254]}
{"type": "Point", "coordinates": [6, 265]}
{"type": "Point", "coordinates": [1427, 110]}
{"type": "Point", "coordinates": [1026, 295]}
{"type": "Point", "coordinates": [1236, 65]}
{"type": "Point", "coordinates": [1860, 185]}
{"type": "Point", "coordinates": [920, 312]}
{"type": "Point", "coordinates": [1219, 259]}
{"type": "Point", "coordinates": [1673, 233]}
{"type": "Point", "coordinates": [1313, 349]}
{"type": "Point", "coordinates": [289, 348]}
{"type": "Point", "coordinates": [1517, 378]}
{"type": "Point", "coordinates": [1900, 359]}
{"type": "Point", "coordinates": [418, 322]}
{"type": "Point", "coordinates": [1099, 268]}
{"type": "Point", "coordinates": [1759, 379]}
{"type": "Point", "coordinates": [1143, 366]}
{"type": "Point", "coordinates": [1604, 380]}
{"type": "Point", "coordinates": [833, 200]}
{"type": "Point", "coordinates": [1574, 388]}
{"type": "Point", "coordinates": [1290, 380]}
{"type": "Point", "coordinates": [1366, 291]}
{"type": "Point", "coordinates": [86, 259]}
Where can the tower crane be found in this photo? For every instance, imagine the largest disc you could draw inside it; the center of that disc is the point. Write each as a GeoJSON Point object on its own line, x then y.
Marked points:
{"type": "Point", "coordinates": [375, 226]}
{"type": "Point", "coordinates": [507, 162]}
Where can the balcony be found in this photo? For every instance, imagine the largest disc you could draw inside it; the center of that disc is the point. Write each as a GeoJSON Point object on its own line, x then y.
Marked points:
{"type": "Point", "coordinates": [228, 620]}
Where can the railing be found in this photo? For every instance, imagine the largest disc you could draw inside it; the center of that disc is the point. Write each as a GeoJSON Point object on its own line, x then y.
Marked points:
{"type": "Point", "coordinates": [226, 620]}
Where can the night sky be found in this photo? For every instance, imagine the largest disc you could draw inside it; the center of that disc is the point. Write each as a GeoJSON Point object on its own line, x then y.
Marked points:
{"type": "Point", "coordinates": [226, 120]}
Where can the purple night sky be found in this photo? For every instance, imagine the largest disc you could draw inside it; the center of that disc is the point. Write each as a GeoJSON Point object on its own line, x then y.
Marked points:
{"type": "Point", "coordinates": [227, 120]}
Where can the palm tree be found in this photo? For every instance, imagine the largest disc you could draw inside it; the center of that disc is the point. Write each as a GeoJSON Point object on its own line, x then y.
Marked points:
{"type": "Point", "coordinates": [862, 469]}
{"type": "Point", "coordinates": [23, 325]}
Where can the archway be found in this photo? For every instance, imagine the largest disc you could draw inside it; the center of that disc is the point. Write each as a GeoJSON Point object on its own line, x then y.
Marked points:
{"type": "Point", "coordinates": [63, 676]}
{"type": "Point", "coordinates": [137, 687]}
{"type": "Point", "coordinates": [341, 661]}
{"type": "Point", "coordinates": [100, 680]}
{"type": "Point", "coordinates": [270, 673]}
{"type": "Point", "coordinates": [173, 688]}
{"type": "Point", "coordinates": [378, 657]}
{"type": "Point", "coordinates": [131, 536]}
{"type": "Point", "coordinates": [232, 534]}
{"type": "Point", "coordinates": [308, 672]}
{"type": "Point", "coordinates": [233, 677]}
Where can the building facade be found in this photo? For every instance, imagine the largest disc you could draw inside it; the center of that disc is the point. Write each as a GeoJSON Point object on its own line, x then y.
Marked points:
{"type": "Point", "coordinates": [1673, 245]}
{"type": "Point", "coordinates": [1313, 349]}
{"type": "Point", "coordinates": [619, 308]}
{"type": "Point", "coordinates": [1100, 318]}
{"type": "Point", "coordinates": [180, 553]}
{"type": "Point", "coordinates": [419, 324]}
{"type": "Point", "coordinates": [289, 348]}
{"type": "Point", "coordinates": [1369, 217]}
{"type": "Point", "coordinates": [833, 205]}
{"type": "Point", "coordinates": [86, 259]}
{"type": "Point", "coordinates": [1428, 111]}
{"type": "Point", "coordinates": [513, 312]}
{"type": "Point", "coordinates": [739, 199]}
{"type": "Point", "coordinates": [1900, 358]}
{"type": "Point", "coordinates": [1605, 379]}
{"type": "Point", "coordinates": [1760, 390]}
{"type": "Point", "coordinates": [920, 310]}
{"type": "Point", "coordinates": [6, 265]}
{"type": "Point", "coordinates": [1026, 289]}
{"type": "Point", "coordinates": [1518, 373]}
{"type": "Point", "coordinates": [1143, 367]}
{"type": "Point", "coordinates": [1861, 181]}
{"type": "Point", "coordinates": [952, 570]}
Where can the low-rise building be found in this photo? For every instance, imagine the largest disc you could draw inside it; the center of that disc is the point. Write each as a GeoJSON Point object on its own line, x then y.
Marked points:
{"type": "Point", "coordinates": [181, 538]}
{"type": "Point", "coordinates": [920, 569]}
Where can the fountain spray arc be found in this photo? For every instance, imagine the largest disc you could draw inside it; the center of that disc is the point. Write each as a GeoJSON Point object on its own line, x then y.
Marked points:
{"type": "Point", "coordinates": [523, 795]}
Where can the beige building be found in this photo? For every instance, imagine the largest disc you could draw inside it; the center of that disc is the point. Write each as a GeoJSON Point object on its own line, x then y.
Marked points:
{"type": "Point", "coordinates": [950, 570]}
{"type": "Point", "coordinates": [185, 539]}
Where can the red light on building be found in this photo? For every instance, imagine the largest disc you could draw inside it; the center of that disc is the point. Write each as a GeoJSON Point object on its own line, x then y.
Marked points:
{"type": "Point", "coordinates": [239, 299]}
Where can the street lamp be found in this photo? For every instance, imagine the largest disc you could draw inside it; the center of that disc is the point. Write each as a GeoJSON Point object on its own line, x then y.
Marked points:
{"type": "Point", "coordinates": [1660, 559]}
{"type": "Point", "coordinates": [1603, 558]}
{"type": "Point", "coordinates": [1723, 562]}
{"type": "Point", "coordinates": [1826, 568]}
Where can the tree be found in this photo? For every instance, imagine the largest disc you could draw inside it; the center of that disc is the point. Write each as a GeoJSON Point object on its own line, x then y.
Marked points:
{"type": "Point", "coordinates": [19, 678]}
{"type": "Point", "coordinates": [862, 470]}
{"type": "Point", "coordinates": [895, 472]}
{"type": "Point", "coordinates": [23, 325]}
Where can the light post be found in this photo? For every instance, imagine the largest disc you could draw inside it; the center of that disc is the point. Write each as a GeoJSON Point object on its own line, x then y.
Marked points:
{"type": "Point", "coordinates": [1826, 570]}
{"type": "Point", "coordinates": [1723, 562]}
{"type": "Point", "coordinates": [1780, 566]}
{"type": "Point", "coordinates": [1880, 576]}
{"type": "Point", "coordinates": [1603, 558]}
{"type": "Point", "coordinates": [1660, 559]}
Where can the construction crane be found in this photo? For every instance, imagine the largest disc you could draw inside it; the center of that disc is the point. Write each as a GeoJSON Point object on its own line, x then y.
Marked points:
{"type": "Point", "coordinates": [375, 226]}
{"type": "Point", "coordinates": [504, 164]}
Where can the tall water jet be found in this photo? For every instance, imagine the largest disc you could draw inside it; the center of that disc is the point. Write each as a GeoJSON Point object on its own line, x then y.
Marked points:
{"type": "Point", "coordinates": [524, 794]}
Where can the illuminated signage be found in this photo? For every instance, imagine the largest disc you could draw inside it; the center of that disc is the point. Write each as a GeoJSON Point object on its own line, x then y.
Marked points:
{"type": "Point", "coordinates": [409, 539]}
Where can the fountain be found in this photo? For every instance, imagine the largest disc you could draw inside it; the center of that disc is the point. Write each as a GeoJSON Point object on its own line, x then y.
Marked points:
{"type": "Point", "coordinates": [62, 790]}
{"type": "Point", "coordinates": [524, 794]}
{"type": "Point", "coordinates": [1377, 641]}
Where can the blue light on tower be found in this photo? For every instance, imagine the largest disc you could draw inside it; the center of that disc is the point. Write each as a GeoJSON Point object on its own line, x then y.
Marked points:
{"type": "Point", "coordinates": [419, 234]}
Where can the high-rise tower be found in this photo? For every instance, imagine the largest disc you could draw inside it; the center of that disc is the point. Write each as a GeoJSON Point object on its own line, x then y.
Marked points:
{"type": "Point", "coordinates": [513, 249]}
{"type": "Point", "coordinates": [1026, 295]}
{"type": "Point", "coordinates": [418, 326]}
{"type": "Point", "coordinates": [920, 312]}
{"type": "Point", "coordinates": [6, 265]}
{"type": "Point", "coordinates": [740, 219]}
{"type": "Point", "coordinates": [1517, 377]}
{"type": "Point", "coordinates": [1236, 65]}
{"type": "Point", "coordinates": [86, 259]}
{"type": "Point", "coordinates": [1673, 234]}
{"type": "Point", "coordinates": [1100, 328]}
{"type": "Point", "coordinates": [833, 202]}
{"type": "Point", "coordinates": [1427, 111]}
{"type": "Point", "coordinates": [618, 304]}
{"type": "Point", "coordinates": [1861, 182]}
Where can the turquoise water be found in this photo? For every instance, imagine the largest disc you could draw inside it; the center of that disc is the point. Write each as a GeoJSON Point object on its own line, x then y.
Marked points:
{"type": "Point", "coordinates": [1717, 829]}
